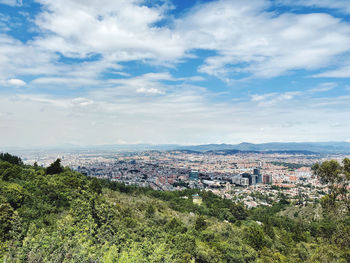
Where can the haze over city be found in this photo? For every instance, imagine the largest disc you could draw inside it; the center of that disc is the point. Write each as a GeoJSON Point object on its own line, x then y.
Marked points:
{"type": "Point", "coordinates": [184, 72]}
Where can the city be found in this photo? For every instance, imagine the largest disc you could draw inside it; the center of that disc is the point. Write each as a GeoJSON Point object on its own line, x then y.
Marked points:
{"type": "Point", "coordinates": [252, 178]}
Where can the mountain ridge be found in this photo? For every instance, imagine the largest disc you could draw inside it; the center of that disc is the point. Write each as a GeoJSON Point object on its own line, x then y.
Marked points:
{"type": "Point", "coordinates": [315, 147]}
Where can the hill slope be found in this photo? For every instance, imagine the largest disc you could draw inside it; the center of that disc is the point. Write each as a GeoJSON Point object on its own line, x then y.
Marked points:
{"type": "Point", "coordinates": [68, 217]}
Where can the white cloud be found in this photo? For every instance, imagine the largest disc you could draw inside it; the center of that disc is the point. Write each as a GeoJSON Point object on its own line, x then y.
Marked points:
{"type": "Point", "coordinates": [273, 98]}
{"type": "Point", "coordinates": [340, 72]}
{"type": "Point", "coordinates": [82, 102]}
{"type": "Point", "coordinates": [340, 102]}
{"type": "Point", "coordinates": [185, 115]}
{"type": "Point", "coordinates": [123, 30]}
{"type": "Point", "coordinates": [11, 2]}
{"type": "Point", "coordinates": [149, 83]}
{"type": "Point", "coordinates": [250, 40]}
{"type": "Point", "coordinates": [269, 99]}
{"type": "Point", "coordinates": [111, 31]}
{"type": "Point", "coordinates": [326, 86]}
{"type": "Point", "coordinates": [256, 97]}
{"type": "Point", "coordinates": [65, 103]}
{"type": "Point", "coordinates": [18, 59]}
{"type": "Point", "coordinates": [342, 5]}
{"type": "Point", "coordinates": [150, 91]}
{"type": "Point", "coordinates": [246, 38]}
{"type": "Point", "coordinates": [47, 81]}
{"type": "Point", "coordinates": [16, 82]}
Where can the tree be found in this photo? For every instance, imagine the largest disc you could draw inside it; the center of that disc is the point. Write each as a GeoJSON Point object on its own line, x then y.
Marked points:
{"type": "Point", "coordinates": [200, 223]}
{"type": "Point", "coordinates": [55, 167]}
{"type": "Point", "coordinates": [239, 211]}
{"type": "Point", "coordinates": [13, 193]}
{"type": "Point", "coordinates": [337, 177]}
{"type": "Point", "coordinates": [11, 158]}
{"type": "Point", "coordinates": [150, 211]}
{"type": "Point", "coordinates": [95, 185]}
{"type": "Point", "coordinates": [255, 237]}
{"type": "Point", "coordinates": [7, 215]}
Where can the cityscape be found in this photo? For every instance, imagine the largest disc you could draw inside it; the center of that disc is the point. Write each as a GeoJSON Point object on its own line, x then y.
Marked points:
{"type": "Point", "coordinates": [252, 178]}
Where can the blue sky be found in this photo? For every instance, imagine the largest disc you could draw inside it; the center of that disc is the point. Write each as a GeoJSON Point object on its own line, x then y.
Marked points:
{"type": "Point", "coordinates": [189, 72]}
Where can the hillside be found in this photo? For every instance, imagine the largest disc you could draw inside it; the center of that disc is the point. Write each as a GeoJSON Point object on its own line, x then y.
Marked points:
{"type": "Point", "coordinates": [67, 217]}
{"type": "Point", "coordinates": [307, 213]}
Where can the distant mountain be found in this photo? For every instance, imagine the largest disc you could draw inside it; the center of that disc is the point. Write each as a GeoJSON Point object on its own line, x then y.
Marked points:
{"type": "Point", "coordinates": [309, 147]}
{"type": "Point", "coordinates": [92, 148]}
{"type": "Point", "coordinates": [228, 152]}
{"type": "Point", "coordinates": [278, 147]}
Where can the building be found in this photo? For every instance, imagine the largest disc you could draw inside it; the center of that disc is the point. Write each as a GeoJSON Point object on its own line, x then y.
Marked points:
{"type": "Point", "coordinates": [267, 179]}
{"type": "Point", "coordinates": [258, 175]}
{"type": "Point", "coordinates": [197, 199]}
{"type": "Point", "coordinates": [193, 175]}
{"type": "Point", "coordinates": [244, 181]}
{"type": "Point", "coordinates": [236, 179]}
{"type": "Point", "coordinates": [250, 177]}
{"type": "Point", "coordinates": [239, 180]}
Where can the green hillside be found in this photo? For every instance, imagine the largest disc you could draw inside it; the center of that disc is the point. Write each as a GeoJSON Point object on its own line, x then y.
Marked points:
{"type": "Point", "coordinates": [58, 215]}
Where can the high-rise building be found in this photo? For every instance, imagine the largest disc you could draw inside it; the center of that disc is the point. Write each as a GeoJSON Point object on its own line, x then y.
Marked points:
{"type": "Point", "coordinates": [193, 175]}
{"type": "Point", "coordinates": [257, 173]}
{"type": "Point", "coordinates": [267, 179]}
{"type": "Point", "coordinates": [244, 181]}
{"type": "Point", "coordinates": [240, 180]}
{"type": "Point", "coordinates": [250, 177]}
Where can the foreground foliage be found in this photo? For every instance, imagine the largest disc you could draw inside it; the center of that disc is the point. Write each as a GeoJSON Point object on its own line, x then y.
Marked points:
{"type": "Point", "coordinates": [58, 215]}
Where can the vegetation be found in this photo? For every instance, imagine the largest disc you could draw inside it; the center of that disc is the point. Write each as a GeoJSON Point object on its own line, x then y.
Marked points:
{"type": "Point", "coordinates": [337, 177]}
{"type": "Point", "coordinates": [290, 165]}
{"type": "Point", "coordinates": [64, 216]}
{"type": "Point", "coordinates": [10, 158]}
{"type": "Point", "coordinates": [55, 167]}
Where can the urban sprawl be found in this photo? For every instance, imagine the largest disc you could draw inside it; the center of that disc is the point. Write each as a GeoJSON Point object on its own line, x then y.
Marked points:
{"type": "Point", "coordinates": [252, 178]}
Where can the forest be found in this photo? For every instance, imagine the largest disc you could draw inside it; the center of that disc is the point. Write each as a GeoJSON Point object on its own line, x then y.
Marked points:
{"type": "Point", "coordinates": [55, 214]}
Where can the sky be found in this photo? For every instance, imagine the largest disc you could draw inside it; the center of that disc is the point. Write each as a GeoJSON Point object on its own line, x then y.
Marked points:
{"type": "Point", "coordinates": [94, 72]}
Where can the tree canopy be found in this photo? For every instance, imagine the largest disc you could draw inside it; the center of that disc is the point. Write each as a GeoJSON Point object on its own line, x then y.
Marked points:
{"type": "Point", "coordinates": [64, 216]}
{"type": "Point", "coordinates": [337, 177]}
{"type": "Point", "coordinates": [10, 158]}
{"type": "Point", "coordinates": [55, 167]}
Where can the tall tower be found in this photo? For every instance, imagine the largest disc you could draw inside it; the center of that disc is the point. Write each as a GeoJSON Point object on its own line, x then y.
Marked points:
{"type": "Point", "coordinates": [257, 173]}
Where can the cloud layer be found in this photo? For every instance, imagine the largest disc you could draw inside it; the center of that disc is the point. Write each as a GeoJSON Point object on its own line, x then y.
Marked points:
{"type": "Point", "coordinates": [131, 71]}
{"type": "Point", "coordinates": [247, 39]}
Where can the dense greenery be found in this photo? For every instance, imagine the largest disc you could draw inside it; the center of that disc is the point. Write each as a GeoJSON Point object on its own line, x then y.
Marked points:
{"type": "Point", "coordinates": [290, 165]}
{"type": "Point", "coordinates": [68, 217]}
{"type": "Point", "coordinates": [55, 167]}
{"type": "Point", "coordinates": [337, 177]}
{"type": "Point", "coordinates": [10, 158]}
